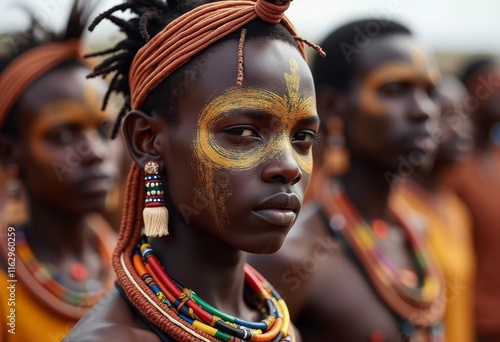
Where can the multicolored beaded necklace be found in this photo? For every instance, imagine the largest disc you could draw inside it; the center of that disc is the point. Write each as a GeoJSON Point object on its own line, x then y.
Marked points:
{"type": "Point", "coordinates": [417, 300]}
{"type": "Point", "coordinates": [275, 323]}
{"type": "Point", "coordinates": [46, 283]}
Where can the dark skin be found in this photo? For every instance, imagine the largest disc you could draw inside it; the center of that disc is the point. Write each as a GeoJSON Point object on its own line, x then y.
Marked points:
{"type": "Point", "coordinates": [389, 111]}
{"type": "Point", "coordinates": [487, 113]}
{"type": "Point", "coordinates": [455, 133]}
{"type": "Point", "coordinates": [485, 87]}
{"type": "Point", "coordinates": [260, 201]}
{"type": "Point", "coordinates": [66, 166]}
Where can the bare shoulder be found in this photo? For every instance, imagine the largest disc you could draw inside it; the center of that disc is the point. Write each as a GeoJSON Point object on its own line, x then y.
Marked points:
{"type": "Point", "coordinates": [112, 319]}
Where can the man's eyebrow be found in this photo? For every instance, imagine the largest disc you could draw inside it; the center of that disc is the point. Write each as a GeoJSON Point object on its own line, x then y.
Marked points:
{"type": "Point", "coordinates": [313, 119]}
{"type": "Point", "coordinates": [265, 115]}
{"type": "Point", "coordinates": [256, 114]}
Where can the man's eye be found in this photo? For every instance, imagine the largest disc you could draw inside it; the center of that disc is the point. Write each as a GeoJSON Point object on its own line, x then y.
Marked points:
{"type": "Point", "coordinates": [393, 88]}
{"type": "Point", "coordinates": [305, 136]}
{"type": "Point", "coordinates": [431, 91]}
{"type": "Point", "coordinates": [242, 132]}
{"type": "Point", "coordinates": [62, 136]}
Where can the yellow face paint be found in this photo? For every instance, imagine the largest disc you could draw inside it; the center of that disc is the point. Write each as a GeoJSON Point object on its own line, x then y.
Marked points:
{"type": "Point", "coordinates": [85, 114]}
{"type": "Point", "coordinates": [396, 71]}
{"type": "Point", "coordinates": [286, 110]}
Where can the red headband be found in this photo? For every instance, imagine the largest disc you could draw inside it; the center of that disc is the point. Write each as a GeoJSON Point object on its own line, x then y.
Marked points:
{"type": "Point", "coordinates": [30, 66]}
{"type": "Point", "coordinates": [192, 33]}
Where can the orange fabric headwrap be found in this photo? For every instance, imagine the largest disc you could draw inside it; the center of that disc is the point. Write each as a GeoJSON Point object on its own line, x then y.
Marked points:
{"type": "Point", "coordinates": [192, 33]}
{"type": "Point", "coordinates": [28, 67]}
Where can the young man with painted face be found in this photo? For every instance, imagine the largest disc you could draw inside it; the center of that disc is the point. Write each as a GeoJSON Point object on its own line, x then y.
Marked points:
{"type": "Point", "coordinates": [221, 112]}
{"type": "Point", "coordinates": [55, 154]}
{"type": "Point", "coordinates": [477, 182]}
{"type": "Point", "coordinates": [448, 219]}
{"type": "Point", "coordinates": [352, 269]}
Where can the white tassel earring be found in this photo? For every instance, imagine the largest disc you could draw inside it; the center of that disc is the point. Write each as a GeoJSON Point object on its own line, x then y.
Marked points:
{"type": "Point", "coordinates": [155, 214]}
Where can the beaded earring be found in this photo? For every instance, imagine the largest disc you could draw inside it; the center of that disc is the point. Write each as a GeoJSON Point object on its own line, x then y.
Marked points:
{"type": "Point", "coordinates": [336, 156]}
{"type": "Point", "coordinates": [155, 214]}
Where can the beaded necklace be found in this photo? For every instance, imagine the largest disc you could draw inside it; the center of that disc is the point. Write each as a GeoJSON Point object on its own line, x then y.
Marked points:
{"type": "Point", "coordinates": [45, 282]}
{"type": "Point", "coordinates": [418, 302]}
{"type": "Point", "coordinates": [275, 323]}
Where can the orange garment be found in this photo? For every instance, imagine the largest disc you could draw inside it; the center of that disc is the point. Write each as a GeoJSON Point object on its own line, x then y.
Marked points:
{"type": "Point", "coordinates": [449, 238]}
{"type": "Point", "coordinates": [33, 322]}
{"type": "Point", "coordinates": [477, 182]}
{"type": "Point", "coordinates": [28, 310]}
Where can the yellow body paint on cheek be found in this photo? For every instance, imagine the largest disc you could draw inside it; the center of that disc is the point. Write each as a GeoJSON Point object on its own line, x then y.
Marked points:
{"type": "Point", "coordinates": [391, 71]}
{"type": "Point", "coordinates": [417, 69]}
{"type": "Point", "coordinates": [86, 115]}
{"type": "Point", "coordinates": [49, 118]}
{"type": "Point", "coordinates": [286, 111]}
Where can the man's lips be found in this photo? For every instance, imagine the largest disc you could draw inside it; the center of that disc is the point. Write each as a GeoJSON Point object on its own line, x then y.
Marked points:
{"type": "Point", "coordinates": [422, 141]}
{"type": "Point", "coordinates": [280, 209]}
{"type": "Point", "coordinates": [426, 144]}
{"type": "Point", "coordinates": [95, 184]}
{"type": "Point", "coordinates": [278, 217]}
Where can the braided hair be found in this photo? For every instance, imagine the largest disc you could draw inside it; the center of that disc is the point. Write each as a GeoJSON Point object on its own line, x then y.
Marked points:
{"type": "Point", "coordinates": [149, 18]}
{"type": "Point", "coordinates": [16, 43]}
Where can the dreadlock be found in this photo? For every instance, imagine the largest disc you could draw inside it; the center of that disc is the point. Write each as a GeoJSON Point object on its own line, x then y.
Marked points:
{"type": "Point", "coordinates": [16, 43]}
{"type": "Point", "coordinates": [149, 18]}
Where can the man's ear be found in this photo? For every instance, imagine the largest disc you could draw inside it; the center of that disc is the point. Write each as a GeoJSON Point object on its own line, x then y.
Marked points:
{"type": "Point", "coordinates": [145, 135]}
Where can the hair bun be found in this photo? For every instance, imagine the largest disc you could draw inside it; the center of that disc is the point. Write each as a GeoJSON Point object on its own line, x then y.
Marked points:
{"type": "Point", "coordinates": [271, 12]}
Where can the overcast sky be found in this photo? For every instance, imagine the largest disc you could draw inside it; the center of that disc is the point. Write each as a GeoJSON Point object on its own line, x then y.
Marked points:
{"type": "Point", "coordinates": [471, 26]}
